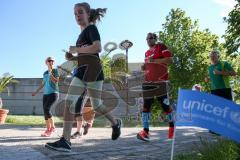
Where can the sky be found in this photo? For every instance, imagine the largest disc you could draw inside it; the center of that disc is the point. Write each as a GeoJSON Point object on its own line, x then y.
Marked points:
{"type": "Point", "coordinates": [32, 30]}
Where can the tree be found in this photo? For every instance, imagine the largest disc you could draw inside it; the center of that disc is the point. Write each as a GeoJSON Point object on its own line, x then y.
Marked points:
{"type": "Point", "coordinates": [114, 70]}
{"type": "Point", "coordinates": [5, 80]}
{"type": "Point", "coordinates": [105, 60]}
{"type": "Point", "coordinates": [190, 47]}
{"type": "Point", "coordinates": [232, 34]}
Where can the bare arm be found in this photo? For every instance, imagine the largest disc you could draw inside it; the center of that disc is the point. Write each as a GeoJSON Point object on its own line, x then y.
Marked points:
{"type": "Point", "coordinates": [54, 79]}
{"type": "Point", "coordinates": [229, 73]}
{"type": "Point", "coordinates": [39, 88]}
{"type": "Point", "coordinates": [225, 73]}
{"type": "Point", "coordinates": [70, 57]}
{"type": "Point", "coordinates": [91, 49]}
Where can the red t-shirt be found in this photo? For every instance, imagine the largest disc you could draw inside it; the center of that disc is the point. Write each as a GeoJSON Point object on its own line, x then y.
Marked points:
{"type": "Point", "coordinates": [156, 72]}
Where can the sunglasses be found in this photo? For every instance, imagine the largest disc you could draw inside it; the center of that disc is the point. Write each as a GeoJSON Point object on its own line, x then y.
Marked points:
{"type": "Point", "coordinates": [50, 60]}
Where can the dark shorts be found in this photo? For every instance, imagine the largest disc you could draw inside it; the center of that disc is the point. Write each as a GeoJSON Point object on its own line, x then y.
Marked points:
{"type": "Point", "coordinates": [48, 101]}
{"type": "Point", "coordinates": [158, 91]}
{"type": "Point", "coordinates": [225, 93]}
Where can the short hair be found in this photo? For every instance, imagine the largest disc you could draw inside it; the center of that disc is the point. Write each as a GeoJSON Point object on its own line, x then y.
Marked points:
{"type": "Point", "coordinates": [152, 34]}
{"type": "Point", "coordinates": [49, 58]}
{"type": "Point", "coordinates": [215, 52]}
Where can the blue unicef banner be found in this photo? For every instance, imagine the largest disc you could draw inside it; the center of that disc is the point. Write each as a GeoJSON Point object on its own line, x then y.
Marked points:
{"type": "Point", "coordinates": [204, 110]}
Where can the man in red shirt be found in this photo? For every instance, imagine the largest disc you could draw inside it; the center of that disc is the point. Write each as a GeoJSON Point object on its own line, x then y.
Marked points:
{"type": "Point", "coordinates": [157, 59]}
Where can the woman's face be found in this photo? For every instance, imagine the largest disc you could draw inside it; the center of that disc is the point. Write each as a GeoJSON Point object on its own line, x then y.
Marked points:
{"type": "Point", "coordinates": [50, 63]}
{"type": "Point", "coordinates": [81, 15]}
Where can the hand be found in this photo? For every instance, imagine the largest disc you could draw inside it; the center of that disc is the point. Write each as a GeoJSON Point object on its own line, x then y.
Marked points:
{"type": "Point", "coordinates": [73, 49]}
{"type": "Point", "coordinates": [68, 55]}
{"type": "Point", "coordinates": [217, 72]}
{"type": "Point", "coordinates": [233, 74]}
{"type": "Point", "coordinates": [206, 79]}
{"type": "Point", "coordinates": [50, 72]}
{"type": "Point", "coordinates": [34, 94]}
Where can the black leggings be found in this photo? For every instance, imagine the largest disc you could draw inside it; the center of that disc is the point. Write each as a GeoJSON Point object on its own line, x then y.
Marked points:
{"type": "Point", "coordinates": [48, 101]}
{"type": "Point", "coordinates": [163, 101]}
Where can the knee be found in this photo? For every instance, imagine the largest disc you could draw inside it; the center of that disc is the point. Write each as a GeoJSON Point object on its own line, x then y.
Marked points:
{"type": "Point", "coordinates": [47, 114]}
{"type": "Point", "coordinates": [69, 111]}
{"type": "Point", "coordinates": [69, 106]}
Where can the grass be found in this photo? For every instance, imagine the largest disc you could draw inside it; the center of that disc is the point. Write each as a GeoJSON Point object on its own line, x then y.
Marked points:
{"type": "Point", "coordinates": [99, 121]}
{"type": "Point", "coordinates": [221, 150]}
{"type": "Point", "coordinates": [28, 120]}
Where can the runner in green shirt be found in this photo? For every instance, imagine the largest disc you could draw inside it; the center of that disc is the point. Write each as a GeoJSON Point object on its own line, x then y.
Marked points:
{"type": "Point", "coordinates": [219, 73]}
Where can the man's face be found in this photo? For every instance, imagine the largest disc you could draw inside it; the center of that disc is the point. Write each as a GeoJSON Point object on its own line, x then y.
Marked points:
{"type": "Point", "coordinates": [214, 57]}
{"type": "Point", "coordinates": [151, 40]}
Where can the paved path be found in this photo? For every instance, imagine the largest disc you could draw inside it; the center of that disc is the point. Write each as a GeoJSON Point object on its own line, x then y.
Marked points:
{"type": "Point", "coordinates": [24, 143]}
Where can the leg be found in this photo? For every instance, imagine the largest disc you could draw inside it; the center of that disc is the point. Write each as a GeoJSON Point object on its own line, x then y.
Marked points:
{"type": "Point", "coordinates": [79, 123]}
{"type": "Point", "coordinates": [226, 93]}
{"type": "Point", "coordinates": [52, 124]}
{"type": "Point", "coordinates": [78, 115]}
{"type": "Point", "coordinates": [88, 116]}
{"type": "Point", "coordinates": [165, 104]}
{"type": "Point", "coordinates": [46, 109]}
{"type": "Point", "coordinates": [78, 133]}
{"type": "Point", "coordinates": [53, 99]}
{"type": "Point", "coordinates": [94, 90]}
{"type": "Point", "coordinates": [90, 119]}
{"type": "Point", "coordinates": [45, 99]}
{"type": "Point", "coordinates": [76, 88]}
{"type": "Point", "coordinates": [148, 99]}
{"type": "Point", "coordinates": [78, 110]}
{"type": "Point", "coordinates": [146, 114]}
{"type": "Point", "coordinates": [48, 102]}
{"type": "Point", "coordinates": [229, 94]}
